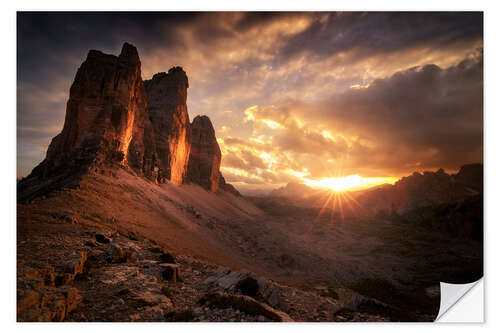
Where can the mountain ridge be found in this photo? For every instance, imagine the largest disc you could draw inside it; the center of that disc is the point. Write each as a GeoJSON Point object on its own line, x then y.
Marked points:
{"type": "Point", "coordinates": [409, 192]}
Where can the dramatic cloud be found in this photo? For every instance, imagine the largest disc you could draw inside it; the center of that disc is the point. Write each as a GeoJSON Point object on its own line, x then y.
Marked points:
{"type": "Point", "coordinates": [421, 118]}
{"type": "Point", "coordinates": [291, 95]}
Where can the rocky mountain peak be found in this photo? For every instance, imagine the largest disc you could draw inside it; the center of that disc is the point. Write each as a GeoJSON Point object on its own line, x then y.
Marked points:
{"type": "Point", "coordinates": [129, 54]}
{"type": "Point", "coordinates": [205, 157]}
{"type": "Point", "coordinates": [115, 119]}
{"type": "Point", "coordinates": [106, 118]}
{"type": "Point", "coordinates": [206, 129]}
{"type": "Point", "coordinates": [167, 109]}
{"type": "Point", "coordinates": [106, 123]}
{"type": "Point", "coordinates": [176, 76]}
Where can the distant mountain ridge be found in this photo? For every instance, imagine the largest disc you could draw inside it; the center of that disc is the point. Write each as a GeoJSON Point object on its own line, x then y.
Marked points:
{"type": "Point", "coordinates": [424, 189]}
{"type": "Point", "coordinates": [410, 192]}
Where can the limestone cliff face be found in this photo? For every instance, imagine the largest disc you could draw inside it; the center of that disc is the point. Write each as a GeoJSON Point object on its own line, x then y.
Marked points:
{"type": "Point", "coordinates": [166, 96]}
{"type": "Point", "coordinates": [205, 156]}
{"type": "Point", "coordinates": [106, 119]}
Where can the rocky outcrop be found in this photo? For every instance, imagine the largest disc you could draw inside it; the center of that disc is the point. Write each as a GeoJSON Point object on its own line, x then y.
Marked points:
{"type": "Point", "coordinates": [114, 119]}
{"type": "Point", "coordinates": [205, 156]}
{"type": "Point", "coordinates": [247, 283]}
{"type": "Point", "coordinates": [106, 119]}
{"type": "Point", "coordinates": [166, 96]}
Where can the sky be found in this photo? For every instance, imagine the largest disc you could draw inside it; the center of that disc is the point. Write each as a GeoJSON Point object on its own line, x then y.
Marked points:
{"type": "Point", "coordinates": [293, 97]}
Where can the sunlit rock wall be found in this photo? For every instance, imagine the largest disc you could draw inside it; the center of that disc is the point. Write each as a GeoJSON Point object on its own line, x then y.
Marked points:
{"type": "Point", "coordinates": [166, 96]}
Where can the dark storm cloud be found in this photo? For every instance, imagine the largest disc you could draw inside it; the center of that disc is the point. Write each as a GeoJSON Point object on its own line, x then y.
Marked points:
{"type": "Point", "coordinates": [253, 19]}
{"type": "Point", "coordinates": [368, 34]}
{"type": "Point", "coordinates": [47, 41]}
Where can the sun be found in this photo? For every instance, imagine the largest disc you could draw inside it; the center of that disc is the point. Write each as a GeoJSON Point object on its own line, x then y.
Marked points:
{"type": "Point", "coordinates": [352, 182]}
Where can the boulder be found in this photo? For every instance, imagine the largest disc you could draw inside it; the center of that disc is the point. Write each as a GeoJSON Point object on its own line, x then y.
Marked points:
{"type": "Point", "coordinates": [248, 284]}
{"type": "Point", "coordinates": [228, 279]}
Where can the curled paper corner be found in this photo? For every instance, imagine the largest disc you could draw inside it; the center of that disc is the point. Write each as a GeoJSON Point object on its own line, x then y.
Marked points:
{"type": "Point", "coordinates": [451, 294]}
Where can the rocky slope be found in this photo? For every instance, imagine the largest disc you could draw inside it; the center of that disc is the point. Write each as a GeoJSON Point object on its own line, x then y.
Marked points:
{"type": "Point", "coordinates": [120, 248]}
{"type": "Point", "coordinates": [100, 252]}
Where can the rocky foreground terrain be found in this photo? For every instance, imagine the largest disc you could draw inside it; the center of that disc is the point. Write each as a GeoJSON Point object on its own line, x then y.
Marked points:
{"type": "Point", "coordinates": [120, 248]}
{"type": "Point", "coordinates": [72, 268]}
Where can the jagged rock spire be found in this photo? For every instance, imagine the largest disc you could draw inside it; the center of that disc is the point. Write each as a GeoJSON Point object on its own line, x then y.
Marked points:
{"type": "Point", "coordinates": [167, 108]}
{"type": "Point", "coordinates": [114, 119]}
{"type": "Point", "coordinates": [106, 120]}
{"type": "Point", "coordinates": [205, 157]}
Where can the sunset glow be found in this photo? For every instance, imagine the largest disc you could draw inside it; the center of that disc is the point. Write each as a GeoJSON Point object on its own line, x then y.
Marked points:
{"type": "Point", "coordinates": [352, 182]}
{"type": "Point", "coordinates": [293, 97]}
